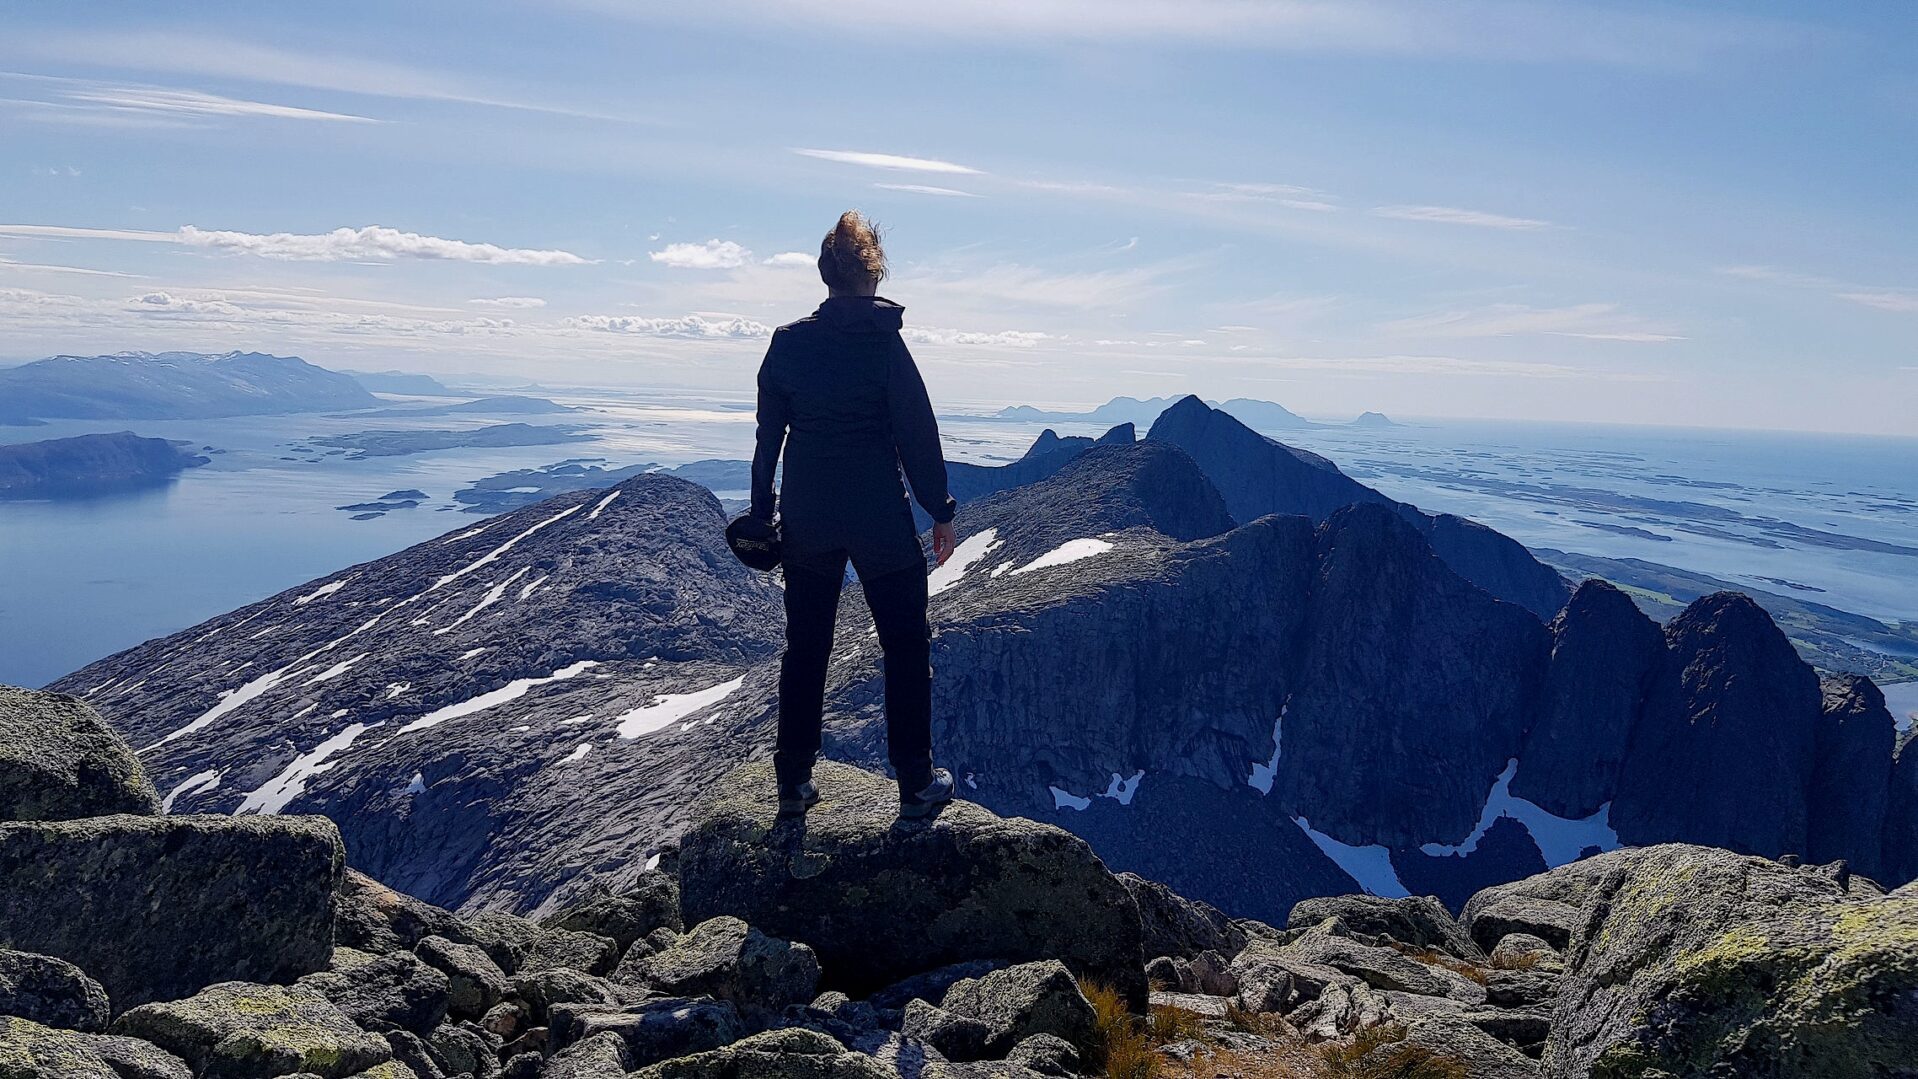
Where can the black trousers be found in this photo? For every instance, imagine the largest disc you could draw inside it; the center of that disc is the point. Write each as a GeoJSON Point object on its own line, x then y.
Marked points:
{"type": "Point", "coordinates": [898, 603]}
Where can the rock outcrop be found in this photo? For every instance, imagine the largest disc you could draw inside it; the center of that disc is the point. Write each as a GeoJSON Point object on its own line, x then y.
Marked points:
{"type": "Point", "coordinates": [1724, 752]}
{"type": "Point", "coordinates": [155, 908]}
{"type": "Point", "coordinates": [1604, 652]}
{"type": "Point", "coordinates": [971, 884]}
{"type": "Point", "coordinates": [59, 760]}
{"type": "Point", "coordinates": [1851, 775]}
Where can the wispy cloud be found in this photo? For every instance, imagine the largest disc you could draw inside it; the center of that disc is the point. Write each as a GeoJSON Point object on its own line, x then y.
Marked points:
{"type": "Point", "coordinates": [369, 243]}
{"type": "Point", "coordinates": [711, 255]}
{"type": "Point", "coordinates": [149, 99]}
{"type": "Point", "coordinates": [1902, 302]}
{"type": "Point", "coordinates": [1592, 321]}
{"type": "Point", "coordinates": [1897, 300]}
{"type": "Point", "coordinates": [789, 259]}
{"type": "Point", "coordinates": [927, 189]}
{"type": "Point", "coordinates": [521, 303]}
{"type": "Point", "coordinates": [1290, 196]}
{"type": "Point", "coordinates": [700, 327]}
{"type": "Point", "coordinates": [1452, 215]}
{"type": "Point", "coordinates": [888, 161]}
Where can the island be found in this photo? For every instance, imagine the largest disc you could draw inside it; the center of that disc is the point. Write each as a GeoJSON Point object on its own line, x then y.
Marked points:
{"type": "Point", "coordinates": [87, 466]}
{"type": "Point", "coordinates": [363, 444]}
{"type": "Point", "coordinates": [173, 386]}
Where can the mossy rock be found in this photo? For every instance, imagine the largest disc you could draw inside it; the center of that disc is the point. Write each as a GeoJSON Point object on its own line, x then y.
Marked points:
{"type": "Point", "coordinates": [879, 900]}
{"type": "Point", "coordinates": [155, 908]}
{"type": "Point", "coordinates": [777, 1054]}
{"type": "Point", "coordinates": [60, 761]}
{"type": "Point", "coordinates": [237, 1029]}
{"type": "Point", "coordinates": [31, 1051]}
{"type": "Point", "coordinates": [1697, 962]}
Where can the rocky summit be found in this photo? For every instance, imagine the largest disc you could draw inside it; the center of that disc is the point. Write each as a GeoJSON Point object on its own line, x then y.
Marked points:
{"type": "Point", "coordinates": [847, 943]}
{"type": "Point", "coordinates": [1219, 661]}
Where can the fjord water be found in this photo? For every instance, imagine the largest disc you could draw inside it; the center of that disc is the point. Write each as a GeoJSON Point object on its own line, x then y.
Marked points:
{"type": "Point", "coordinates": [79, 580]}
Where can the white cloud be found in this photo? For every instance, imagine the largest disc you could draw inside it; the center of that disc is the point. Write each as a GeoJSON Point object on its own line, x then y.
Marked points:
{"type": "Point", "coordinates": [1452, 215]}
{"type": "Point", "coordinates": [789, 258]}
{"type": "Point", "coordinates": [375, 242]}
{"type": "Point", "coordinates": [1290, 196]}
{"type": "Point", "coordinates": [516, 302]}
{"type": "Point", "coordinates": [711, 255]}
{"type": "Point", "coordinates": [1902, 302]}
{"type": "Point", "coordinates": [195, 103]}
{"type": "Point", "coordinates": [888, 161]}
{"type": "Point", "coordinates": [1003, 339]}
{"type": "Point", "coordinates": [688, 326]}
{"type": "Point", "coordinates": [927, 189]}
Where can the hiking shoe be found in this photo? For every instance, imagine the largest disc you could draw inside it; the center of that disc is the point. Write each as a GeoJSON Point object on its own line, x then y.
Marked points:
{"type": "Point", "coordinates": [794, 800]}
{"type": "Point", "coordinates": [936, 794]}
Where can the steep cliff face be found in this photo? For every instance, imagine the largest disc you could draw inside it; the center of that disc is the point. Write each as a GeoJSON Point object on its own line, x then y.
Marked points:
{"type": "Point", "coordinates": [1724, 750]}
{"type": "Point", "coordinates": [1604, 651]}
{"type": "Point", "coordinates": [1414, 688]}
{"type": "Point", "coordinates": [1258, 475]}
{"type": "Point", "coordinates": [1851, 775]}
{"type": "Point", "coordinates": [1899, 853]}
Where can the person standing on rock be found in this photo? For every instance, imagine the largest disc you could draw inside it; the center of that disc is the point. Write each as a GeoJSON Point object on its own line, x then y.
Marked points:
{"type": "Point", "coordinates": [840, 392]}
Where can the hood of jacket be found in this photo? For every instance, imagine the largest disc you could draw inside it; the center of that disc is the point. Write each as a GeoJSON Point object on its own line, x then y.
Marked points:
{"type": "Point", "coordinates": [862, 314]}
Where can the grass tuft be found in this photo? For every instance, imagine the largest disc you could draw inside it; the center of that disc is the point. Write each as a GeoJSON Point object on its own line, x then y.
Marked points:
{"type": "Point", "coordinates": [1381, 1053]}
{"type": "Point", "coordinates": [1122, 1046]}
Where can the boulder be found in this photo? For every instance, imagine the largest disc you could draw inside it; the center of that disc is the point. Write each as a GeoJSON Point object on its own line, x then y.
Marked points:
{"type": "Point", "coordinates": [1209, 973]}
{"type": "Point", "coordinates": [1520, 988]}
{"type": "Point", "coordinates": [1380, 968]}
{"type": "Point", "coordinates": [879, 900]}
{"type": "Point", "coordinates": [627, 916]}
{"type": "Point", "coordinates": [727, 959]}
{"type": "Point", "coordinates": [134, 1058]}
{"type": "Point", "coordinates": [1047, 1054]}
{"type": "Point", "coordinates": [542, 989]}
{"type": "Point", "coordinates": [52, 992]}
{"type": "Point", "coordinates": [1700, 961]}
{"type": "Point", "coordinates": [655, 1030]}
{"type": "Point", "coordinates": [60, 761]}
{"type": "Point", "coordinates": [240, 1029]}
{"type": "Point", "coordinates": [956, 1037]}
{"type": "Point", "coordinates": [1341, 1009]}
{"type": "Point", "coordinates": [1271, 979]}
{"type": "Point", "coordinates": [930, 986]}
{"type": "Point", "coordinates": [1421, 921]}
{"type": "Point", "coordinates": [517, 944]}
{"type": "Point", "coordinates": [461, 1048]}
{"type": "Point", "coordinates": [1176, 926]}
{"type": "Point", "coordinates": [474, 982]}
{"type": "Point", "coordinates": [29, 1050]}
{"type": "Point", "coordinates": [371, 917]}
{"type": "Point", "coordinates": [157, 908]}
{"type": "Point", "coordinates": [599, 1057]}
{"type": "Point", "coordinates": [387, 993]}
{"type": "Point", "coordinates": [1495, 912]}
{"type": "Point", "coordinates": [411, 1050]}
{"type": "Point", "coordinates": [776, 1054]}
{"type": "Point", "coordinates": [1523, 951]}
{"type": "Point", "coordinates": [1480, 1055]}
{"type": "Point", "coordinates": [1031, 998]}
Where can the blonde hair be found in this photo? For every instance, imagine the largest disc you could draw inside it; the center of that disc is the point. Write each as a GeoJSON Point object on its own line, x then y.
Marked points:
{"type": "Point", "coordinates": [850, 255]}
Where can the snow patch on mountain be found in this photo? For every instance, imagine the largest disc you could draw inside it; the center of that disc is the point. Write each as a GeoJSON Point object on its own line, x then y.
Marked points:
{"type": "Point", "coordinates": [273, 795]}
{"type": "Point", "coordinates": [668, 708]}
{"type": "Point", "coordinates": [1067, 552]}
{"type": "Point", "coordinates": [969, 552]}
{"type": "Point", "coordinates": [322, 592]}
{"type": "Point", "coordinates": [1371, 866]}
{"type": "Point", "coordinates": [198, 781]}
{"type": "Point", "coordinates": [1560, 840]}
{"type": "Point", "coordinates": [511, 691]}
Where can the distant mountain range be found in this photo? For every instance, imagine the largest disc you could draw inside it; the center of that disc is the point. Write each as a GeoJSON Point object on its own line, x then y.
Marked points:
{"type": "Point", "coordinates": [89, 465]}
{"type": "Point", "coordinates": [173, 386]}
{"type": "Point", "coordinates": [1261, 415]}
{"type": "Point", "coordinates": [402, 382]}
{"type": "Point", "coordinates": [1226, 664]}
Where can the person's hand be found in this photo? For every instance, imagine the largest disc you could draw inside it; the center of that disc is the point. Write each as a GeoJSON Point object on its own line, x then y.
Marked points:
{"type": "Point", "coordinates": [944, 538]}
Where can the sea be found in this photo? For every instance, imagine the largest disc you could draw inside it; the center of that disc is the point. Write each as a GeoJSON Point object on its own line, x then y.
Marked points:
{"type": "Point", "coordinates": [1827, 518]}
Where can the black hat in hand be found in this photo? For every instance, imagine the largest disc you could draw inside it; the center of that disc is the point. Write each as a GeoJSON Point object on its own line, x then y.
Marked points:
{"type": "Point", "coordinates": [754, 541]}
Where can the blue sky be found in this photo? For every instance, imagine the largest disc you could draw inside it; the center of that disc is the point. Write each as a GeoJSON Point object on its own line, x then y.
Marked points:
{"type": "Point", "coordinates": [1677, 214]}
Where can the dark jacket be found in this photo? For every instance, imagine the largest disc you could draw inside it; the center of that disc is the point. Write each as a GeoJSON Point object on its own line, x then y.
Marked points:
{"type": "Point", "coordinates": [839, 390]}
